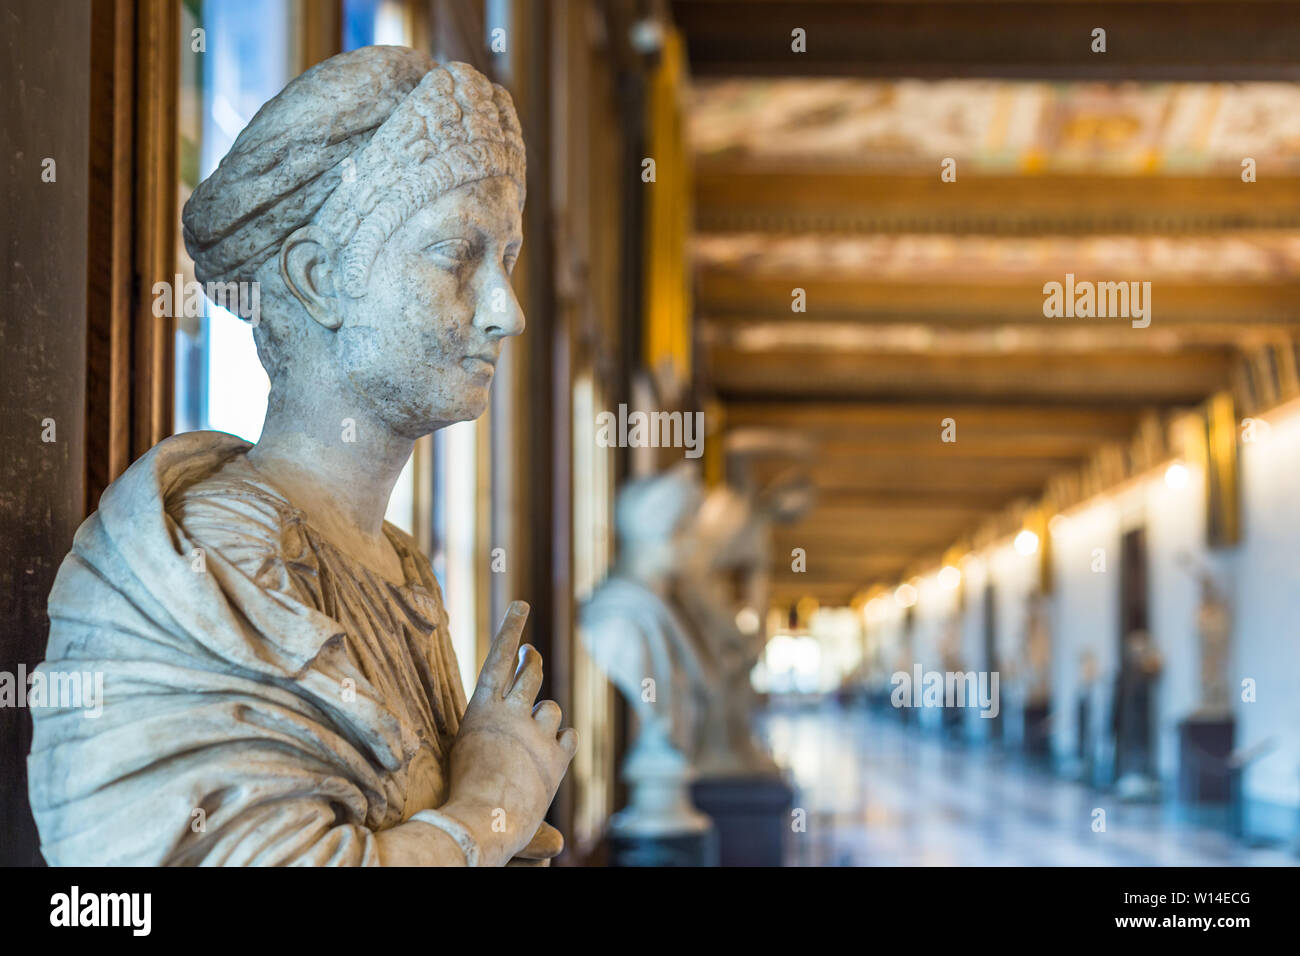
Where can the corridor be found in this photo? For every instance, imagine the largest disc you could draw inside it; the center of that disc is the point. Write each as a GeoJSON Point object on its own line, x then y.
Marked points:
{"type": "Point", "coordinates": [879, 794]}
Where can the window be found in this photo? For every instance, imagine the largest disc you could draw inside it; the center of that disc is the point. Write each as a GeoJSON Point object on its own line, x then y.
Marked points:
{"type": "Point", "coordinates": [249, 55]}
{"type": "Point", "coordinates": [246, 59]}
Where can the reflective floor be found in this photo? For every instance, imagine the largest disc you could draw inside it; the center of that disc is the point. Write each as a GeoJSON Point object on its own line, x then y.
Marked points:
{"type": "Point", "coordinates": [877, 793]}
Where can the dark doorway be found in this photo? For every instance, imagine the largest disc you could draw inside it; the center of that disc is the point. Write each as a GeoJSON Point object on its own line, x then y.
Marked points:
{"type": "Point", "coordinates": [1133, 723]}
{"type": "Point", "coordinates": [991, 653]}
{"type": "Point", "coordinates": [1134, 610]}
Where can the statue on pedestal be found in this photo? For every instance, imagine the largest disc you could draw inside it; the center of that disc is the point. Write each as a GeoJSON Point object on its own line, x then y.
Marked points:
{"type": "Point", "coordinates": [731, 546]}
{"type": "Point", "coordinates": [953, 662]}
{"type": "Point", "coordinates": [638, 639]}
{"type": "Point", "coordinates": [1134, 717]}
{"type": "Point", "coordinates": [1037, 651]}
{"type": "Point", "coordinates": [279, 682]}
{"type": "Point", "coordinates": [1083, 737]}
{"type": "Point", "coordinates": [1214, 628]}
{"type": "Point", "coordinates": [723, 596]}
{"type": "Point", "coordinates": [1036, 674]}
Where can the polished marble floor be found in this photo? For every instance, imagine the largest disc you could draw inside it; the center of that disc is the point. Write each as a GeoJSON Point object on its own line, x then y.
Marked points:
{"type": "Point", "coordinates": [876, 793]}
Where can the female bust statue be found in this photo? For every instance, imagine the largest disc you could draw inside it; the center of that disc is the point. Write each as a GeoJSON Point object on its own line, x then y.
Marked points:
{"type": "Point", "coordinates": [278, 682]}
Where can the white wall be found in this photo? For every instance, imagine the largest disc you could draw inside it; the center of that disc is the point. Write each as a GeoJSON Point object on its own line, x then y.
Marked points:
{"type": "Point", "coordinates": [975, 573]}
{"type": "Point", "coordinates": [1261, 576]}
{"type": "Point", "coordinates": [1175, 534]}
{"type": "Point", "coordinates": [1085, 617]}
{"type": "Point", "coordinates": [1266, 638]}
{"type": "Point", "coordinates": [1015, 577]}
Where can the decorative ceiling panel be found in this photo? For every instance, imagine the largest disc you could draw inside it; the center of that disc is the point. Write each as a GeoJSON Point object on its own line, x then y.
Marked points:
{"type": "Point", "coordinates": [999, 127]}
{"type": "Point", "coordinates": [1263, 256]}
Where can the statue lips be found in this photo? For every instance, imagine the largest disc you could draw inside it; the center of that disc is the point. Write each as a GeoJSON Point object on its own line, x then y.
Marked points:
{"type": "Point", "coordinates": [479, 364]}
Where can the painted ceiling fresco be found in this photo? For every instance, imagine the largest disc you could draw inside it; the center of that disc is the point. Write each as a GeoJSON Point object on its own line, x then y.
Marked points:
{"type": "Point", "coordinates": [1250, 256]}
{"type": "Point", "coordinates": [1000, 126]}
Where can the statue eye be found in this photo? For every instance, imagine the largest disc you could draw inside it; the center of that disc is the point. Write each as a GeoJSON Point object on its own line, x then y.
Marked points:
{"type": "Point", "coordinates": [455, 251]}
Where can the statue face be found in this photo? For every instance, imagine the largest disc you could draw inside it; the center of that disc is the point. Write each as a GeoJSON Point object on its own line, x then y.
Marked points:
{"type": "Point", "coordinates": [423, 342]}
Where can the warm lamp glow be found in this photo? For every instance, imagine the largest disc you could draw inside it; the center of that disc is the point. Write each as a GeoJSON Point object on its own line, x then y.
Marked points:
{"type": "Point", "coordinates": [905, 595]}
{"type": "Point", "coordinates": [949, 578]}
{"type": "Point", "coordinates": [1177, 476]}
{"type": "Point", "coordinates": [1026, 542]}
{"type": "Point", "coordinates": [875, 610]}
{"type": "Point", "coordinates": [747, 620]}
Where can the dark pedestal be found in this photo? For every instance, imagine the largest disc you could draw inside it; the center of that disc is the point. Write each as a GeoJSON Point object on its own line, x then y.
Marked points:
{"type": "Point", "coordinates": [1038, 740]}
{"type": "Point", "coordinates": [681, 849]}
{"type": "Point", "coordinates": [1204, 748]}
{"type": "Point", "coordinates": [751, 814]}
{"type": "Point", "coordinates": [953, 722]}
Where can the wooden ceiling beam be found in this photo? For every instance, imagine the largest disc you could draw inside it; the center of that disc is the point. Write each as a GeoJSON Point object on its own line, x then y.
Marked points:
{"type": "Point", "coordinates": [868, 469]}
{"type": "Point", "coordinates": [738, 296]}
{"type": "Point", "coordinates": [1061, 447]}
{"type": "Point", "coordinates": [764, 198]}
{"type": "Point", "coordinates": [1121, 376]}
{"type": "Point", "coordinates": [871, 421]}
{"type": "Point", "coordinates": [1040, 40]}
{"type": "Point", "coordinates": [882, 532]}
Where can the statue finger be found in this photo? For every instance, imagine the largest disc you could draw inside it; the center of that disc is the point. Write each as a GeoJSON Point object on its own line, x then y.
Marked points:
{"type": "Point", "coordinates": [546, 844]}
{"type": "Point", "coordinates": [548, 715]}
{"type": "Point", "coordinates": [568, 741]}
{"type": "Point", "coordinates": [499, 665]}
{"type": "Point", "coordinates": [528, 677]}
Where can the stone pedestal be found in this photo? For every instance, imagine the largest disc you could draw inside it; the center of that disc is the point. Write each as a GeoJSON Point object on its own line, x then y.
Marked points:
{"type": "Point", "coordinates": [659, 826]}
{"type": "Point", "coordinates": [697, 848]}
{"type": "Point", "coordinates": [751, 815]}
{"type": "Point", "coordinates": [1204, 747]}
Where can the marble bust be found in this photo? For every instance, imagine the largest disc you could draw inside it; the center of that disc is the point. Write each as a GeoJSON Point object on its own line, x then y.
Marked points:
{"type": "Point", "coordinates": [279, 685]}
{"type": "Point", "coordinates": [731, 543]}
{"type": "Point", "coordinates": [640, 641]}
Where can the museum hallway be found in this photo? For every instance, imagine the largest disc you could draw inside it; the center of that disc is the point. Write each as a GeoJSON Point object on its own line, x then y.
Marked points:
{"type": "Point", "coordinates": [860, 342]}
{"type": "Point", "coordinates": [881, 794]}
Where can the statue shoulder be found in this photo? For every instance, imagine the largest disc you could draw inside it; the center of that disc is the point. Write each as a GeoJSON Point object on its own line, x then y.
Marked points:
{"type": "Point", "coordinates": [250, 524]}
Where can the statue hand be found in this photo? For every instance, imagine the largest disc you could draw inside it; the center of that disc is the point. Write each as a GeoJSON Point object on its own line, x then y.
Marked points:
{"type": "Point", "coordinates": [509, 757]}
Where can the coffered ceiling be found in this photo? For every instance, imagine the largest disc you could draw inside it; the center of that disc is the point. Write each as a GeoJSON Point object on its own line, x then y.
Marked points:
{"type": "Point", "coordinates": [923, 299]}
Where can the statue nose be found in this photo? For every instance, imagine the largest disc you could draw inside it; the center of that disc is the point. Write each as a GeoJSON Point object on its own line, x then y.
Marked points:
{"type": "Point", "coordinates": [499, 313]}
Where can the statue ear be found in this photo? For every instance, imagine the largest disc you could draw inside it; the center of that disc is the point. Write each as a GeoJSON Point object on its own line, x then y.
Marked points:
{"type": "Point", "coordinates": [305, 267]}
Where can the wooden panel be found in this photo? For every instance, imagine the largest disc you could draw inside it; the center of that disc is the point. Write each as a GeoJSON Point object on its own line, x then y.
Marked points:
{"type": "Point", "coordinates": [132, 183]}
{"type": "Point", "coordinates": [156, 217]}
{"type": "Point", "coordinates": [45, 114]}
{"type": "Point", "coordinates": [320, 31]}
{"type": "Point", "coordinates": [109, 275]}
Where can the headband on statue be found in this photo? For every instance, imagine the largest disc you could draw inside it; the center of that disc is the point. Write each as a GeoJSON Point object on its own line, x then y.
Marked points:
{"type": "Point", "coordinates": [357, 144]}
